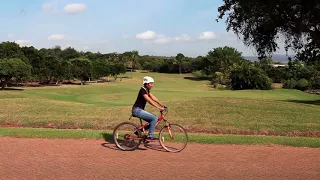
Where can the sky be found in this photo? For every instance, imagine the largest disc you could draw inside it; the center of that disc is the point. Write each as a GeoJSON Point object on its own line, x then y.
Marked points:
{"type": "Point", "coordinates": [154, 27]}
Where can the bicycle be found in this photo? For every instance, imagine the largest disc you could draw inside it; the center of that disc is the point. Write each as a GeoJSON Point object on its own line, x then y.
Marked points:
{"type": "Point", "coordinates": [138, 130]}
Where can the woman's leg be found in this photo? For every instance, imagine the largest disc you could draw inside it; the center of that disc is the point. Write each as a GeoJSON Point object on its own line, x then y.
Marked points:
{"type": "Point", "coordinates": [149, 117]}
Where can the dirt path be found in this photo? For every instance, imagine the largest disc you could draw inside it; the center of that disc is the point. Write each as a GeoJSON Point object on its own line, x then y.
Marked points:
{"type": "Point", "coordinates": [93, 159]}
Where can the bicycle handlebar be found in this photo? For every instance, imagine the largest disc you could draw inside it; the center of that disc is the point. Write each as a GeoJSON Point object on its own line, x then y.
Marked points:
{"type": "Point", "coordinates": [165, 109]}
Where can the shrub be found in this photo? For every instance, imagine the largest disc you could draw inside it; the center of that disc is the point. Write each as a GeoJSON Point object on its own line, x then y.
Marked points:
{"type": "Point", "coordinates": [290, 84]}
{"type": "Point", "coordinates": [219, 78]}
{"type": "Point", "coordinates": [276, 74]}
{"type": "Point", "coordinates": [315, 82]}
{"type": "Point", "coordinates": [302, 84]}
{"type": "Point", "coordinates": [199, 75]}
{"type": "Point", "coordinates": [247, 76]}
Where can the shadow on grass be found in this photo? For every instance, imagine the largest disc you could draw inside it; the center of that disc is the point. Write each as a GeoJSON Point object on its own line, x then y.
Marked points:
{"type": "Point", "coordinates": [196, 78]}
{"type": "Point", "coordinates": [313, 102]}
{"type": "Point", "coordinates": [108, 137]}
{"type": "Point", "coordinates": [11, 89]}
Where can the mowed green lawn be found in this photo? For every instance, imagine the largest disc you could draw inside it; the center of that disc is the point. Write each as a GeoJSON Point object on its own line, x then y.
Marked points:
{"type": "Point", "coordinates": [193, 104]}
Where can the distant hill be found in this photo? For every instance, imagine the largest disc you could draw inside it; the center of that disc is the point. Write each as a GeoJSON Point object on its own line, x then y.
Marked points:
{"type": "Point", "coordinates": [276, 58]}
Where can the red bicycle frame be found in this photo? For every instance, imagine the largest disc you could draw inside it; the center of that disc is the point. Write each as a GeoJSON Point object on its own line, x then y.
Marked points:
{"type": "Point", "coordinates": [160, 118]}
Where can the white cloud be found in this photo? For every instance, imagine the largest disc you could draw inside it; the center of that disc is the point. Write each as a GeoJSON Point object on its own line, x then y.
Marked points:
{"type": "Point", "coordinates": [160, 36]}
{"type": "Point", "coordinates": [57, 37]}
{"type": "Point", "coordinates": [74, 8]}
{"type": "Point", "coordinates": [85, 47]}
{"type": "Point", "coordinates": [23, 42]}
{"type": "Point", "coordinates": [162, 40]}
{"type": "Point", "coordinates": [52, 7]}
{"type": "Point", "coordinates": [183, 37]}
{"type": "Point", "coordinates": [147, 35]}
{"type": "Point", "coordinates": [206, 35]}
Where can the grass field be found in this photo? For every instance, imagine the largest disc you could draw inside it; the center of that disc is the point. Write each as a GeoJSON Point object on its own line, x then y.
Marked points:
{"type": "Point", "coordinates": [193, 104]}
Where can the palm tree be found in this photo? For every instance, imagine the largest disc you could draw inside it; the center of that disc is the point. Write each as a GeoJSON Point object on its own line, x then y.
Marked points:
{"type": "Point", "coordinates": [179, 60]}
{"type": "Point", "coordinates": [133, 59]}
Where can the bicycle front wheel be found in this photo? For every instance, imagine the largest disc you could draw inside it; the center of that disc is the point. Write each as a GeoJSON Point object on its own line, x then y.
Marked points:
{"type": "Point", "coordinates": [173, 138]}
{"type": "Point", "coordinates": [126, 136]}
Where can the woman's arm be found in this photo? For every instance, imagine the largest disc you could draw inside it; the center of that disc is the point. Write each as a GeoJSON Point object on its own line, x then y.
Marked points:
{"type": "Point", "coordinates": [156, 99]}
{"type": "Point", "coordinates": [150, 101]}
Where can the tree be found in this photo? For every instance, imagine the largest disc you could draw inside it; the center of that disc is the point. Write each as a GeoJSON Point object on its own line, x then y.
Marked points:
{"type": "Point", "coordinates": [247, 76]}
{"type": "Point", "coordinates": [12, 68]}
{"type": "Point", "coordinates": [221, 59]}
{"type": "Point", "coordinates": [116, 69]}
{"type": "Point", "coordinates": [101, 68]}
{"type": "Point", "coordinates": [52, 65]}
{"type": "Point", "coordinates": [179, 60]}
{"type": "Point", "coordinates": [81, 68]}
{"type": "Point", "coordinates": [35, 59]}
{"type": "Point", "coordinates": [69, 53]}
{"type": "Point", "coordinates": [11, 50]}
{"type": "Point", "coordinates": [131, 59]}
{"type": "Point", "coordinates": [262, 22]}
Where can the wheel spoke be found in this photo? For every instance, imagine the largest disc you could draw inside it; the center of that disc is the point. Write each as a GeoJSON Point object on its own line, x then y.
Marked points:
{"type": "Point", "coordinates": [124, 136]}
{"type": "Point", "coordinates": [173, 138]}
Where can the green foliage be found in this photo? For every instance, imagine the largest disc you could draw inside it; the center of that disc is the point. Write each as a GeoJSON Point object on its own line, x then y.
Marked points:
{"type": "Point", "coordinates": [197, 74]}
{"type": "Point", "coordinates": [302, 84]}
{"type": "Point", "coordinates": [277, 74]}
{"type": "Point", "coordinates": [11, 50]}
{"type": "Point", "coordinates": [151, 63]}
{"type": "Point", "coordinates": [101, 68]}
{"type": "Point", "coordinates": [81, 68]}
{"type": "Point", "coordinates": [315, 82]}
{"type": "Point", "coordinates": [290, 84]}
{"type": "Point", "coordinates": [55, 65]}
{"type": "Point", "coordinates": [221, 59]}
{"type": "Point", "coordinates": [261, 22]}
{"type": "Point", "coordinates": [168, 66]}
{"type": "Point", "coordinates": [69, 53]}
{"type": "Point", "coordinates": [247, 76]}
{"type": "Point", "coordinates": [179, 60]}
{"type": "Point", "coordinates": [219, 78]}
{"type": "Point", "coordinates": [12, 68]}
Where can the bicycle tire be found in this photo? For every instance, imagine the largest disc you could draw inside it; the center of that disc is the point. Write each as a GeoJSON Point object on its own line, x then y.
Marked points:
{"type": "Point", "coordinates": [161, 134]}
{"type": "Point", "coordinates": [135, 129]}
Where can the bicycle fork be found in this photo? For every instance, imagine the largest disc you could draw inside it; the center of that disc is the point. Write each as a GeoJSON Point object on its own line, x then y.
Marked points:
{"type": "Point", "coordinates": [169, 129]}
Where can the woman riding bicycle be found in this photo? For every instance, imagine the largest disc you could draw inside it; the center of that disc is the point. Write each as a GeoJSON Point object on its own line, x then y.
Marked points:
{"type": "Point", "coordinates": [143, 97]}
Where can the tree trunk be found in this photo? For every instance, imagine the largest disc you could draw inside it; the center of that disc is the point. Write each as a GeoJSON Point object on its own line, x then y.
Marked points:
{"type": "Point", "coordinates": [179, 68]}
{"type": "Point", "coordinates": [4, 83]}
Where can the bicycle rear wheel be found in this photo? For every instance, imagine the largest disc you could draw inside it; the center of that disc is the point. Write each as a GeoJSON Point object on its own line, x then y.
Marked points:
{"type": "Point", "coordinates": [125, 138]}
{"type": "Point", "coordinates": [173, 138]}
